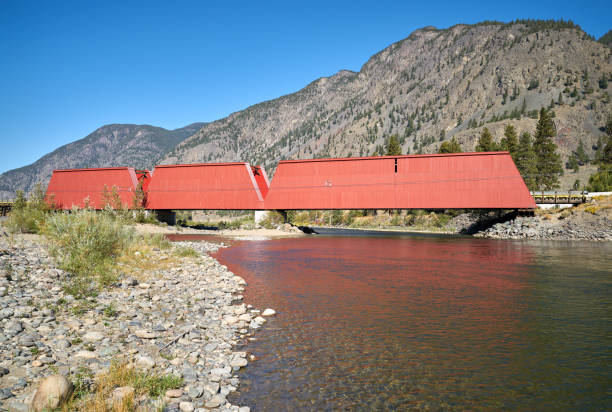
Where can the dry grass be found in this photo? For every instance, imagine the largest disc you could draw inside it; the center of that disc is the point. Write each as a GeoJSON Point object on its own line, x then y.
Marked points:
{"type": "Point", "coordinates": [145, 385]}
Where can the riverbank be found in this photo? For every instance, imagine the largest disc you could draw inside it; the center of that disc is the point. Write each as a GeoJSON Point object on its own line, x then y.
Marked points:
{"type": "Point", "coordinates": [178, 323]}
{"type": "Point", "coordinates": [285, 230]}
{"type": "Point", "coordinates": [589, 221]}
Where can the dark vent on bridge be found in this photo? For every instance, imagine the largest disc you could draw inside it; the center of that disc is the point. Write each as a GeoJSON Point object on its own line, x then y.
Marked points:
{"type": "Point", "coordinates": [395, 165]}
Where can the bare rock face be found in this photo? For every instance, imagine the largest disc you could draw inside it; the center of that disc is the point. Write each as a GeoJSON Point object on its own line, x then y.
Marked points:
{"type": "Point", "coordinates": [54, 390]}
{"type": "Point", "coordinates": [432, 86]}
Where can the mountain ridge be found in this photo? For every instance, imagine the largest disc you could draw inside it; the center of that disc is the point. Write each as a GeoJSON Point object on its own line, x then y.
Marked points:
{"type": "Point", "coordinates": [403, 65]}
{"type": "Point", "coordinates": [115, 144]}
{"type": "Point", "coordinates": [433, 85]}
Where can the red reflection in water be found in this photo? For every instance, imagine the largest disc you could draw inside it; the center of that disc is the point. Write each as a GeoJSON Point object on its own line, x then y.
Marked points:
{"type": "Point", "coordinates": [379, 322]}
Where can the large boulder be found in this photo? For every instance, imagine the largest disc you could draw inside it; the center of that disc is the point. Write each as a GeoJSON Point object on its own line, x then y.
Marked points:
{"type": "Point", "coordinates": [53, 391]}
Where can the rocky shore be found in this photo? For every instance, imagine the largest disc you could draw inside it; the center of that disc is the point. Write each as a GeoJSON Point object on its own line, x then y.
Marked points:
{"type": "Point", "coordinates": [560, 226]}
{"type": "Point", "coordinates": [182, 321]}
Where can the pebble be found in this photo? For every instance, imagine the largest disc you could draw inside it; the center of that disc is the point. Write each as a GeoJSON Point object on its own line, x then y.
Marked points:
{"type": "Point", "coordinates": [93, 336]}
{"type": "Point", "coordinates": [186, 407]}
{"type": "Point", "coordinates": [214, 402]}
{"type": "Point", "coordinates": [182, 320]}
{"type": "Point", "coordinates": [144, 362]}
{"type": "Point", "coordinates": [268, 312]}
{"type": "Point", "coordinates": [174, 393]}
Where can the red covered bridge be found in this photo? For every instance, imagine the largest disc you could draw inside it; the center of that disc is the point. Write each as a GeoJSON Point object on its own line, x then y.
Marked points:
{"type": "Point", "coordinates": [213, 186]}
{"type": "Point", "coordinates": [442, 181]}
{"type": "Point", "coordinates": [85, 187]}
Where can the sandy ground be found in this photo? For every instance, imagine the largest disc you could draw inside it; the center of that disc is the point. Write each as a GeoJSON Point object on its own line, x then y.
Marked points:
{"type": "Point", "coordinates": [243, 234]}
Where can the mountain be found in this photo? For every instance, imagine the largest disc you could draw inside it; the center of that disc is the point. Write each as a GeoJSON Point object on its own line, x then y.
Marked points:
{"type": "Point", "coordinates": [433, 85]}
{"type": "Point", "coordinates": [606, 39]}
{"type": "Point", "coordinates": [140, 146]}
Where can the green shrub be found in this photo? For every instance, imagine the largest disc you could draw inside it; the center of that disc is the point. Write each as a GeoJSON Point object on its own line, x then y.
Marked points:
{"type": "Point", "coordinates": [601, 181]}
{"type": "Point", "coordinates": [184, 251]}
{"type": "Point", "coordinates": [28, 215]}
{"type": "Point", "coordinates": [87, 244]}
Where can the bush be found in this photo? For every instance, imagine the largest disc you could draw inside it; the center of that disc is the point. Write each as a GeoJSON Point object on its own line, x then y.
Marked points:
{"type": "Point", "coordinates": [87, 244]}
{"type": "Point", "coordinates": [184, 251]}
{"type": "Point", "coordinates": [28, 215]}
{"type": "Point", "coordinates": [601, 181]}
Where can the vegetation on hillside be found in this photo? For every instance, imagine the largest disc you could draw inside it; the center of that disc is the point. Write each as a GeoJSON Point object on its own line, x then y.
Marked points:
{"type": "Point", "coordinates": [434, 86]}
{"type": "Point", "coordinates": [601, 181]}
{"type": "Point", "coordinates": [606, 39]}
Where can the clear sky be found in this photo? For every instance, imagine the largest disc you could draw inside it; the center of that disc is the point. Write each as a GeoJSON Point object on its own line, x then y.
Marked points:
{"type": "Point", "coordinates": [67, 68]}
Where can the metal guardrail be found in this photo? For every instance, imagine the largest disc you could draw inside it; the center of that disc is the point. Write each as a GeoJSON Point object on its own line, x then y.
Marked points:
{"type": "Point", "coordinates": [557, 197]}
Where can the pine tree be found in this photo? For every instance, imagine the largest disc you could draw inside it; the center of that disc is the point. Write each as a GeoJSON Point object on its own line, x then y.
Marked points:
{"type": "Point", "coordinates": [547, 159]}
{"type": "Point", "coordinates": [393, 146]}
{"type": "Point", "coordinates": [486, 142]}
{"type": "Point", "coordinates": [523, 107]}
{"type": "Point", "coordinates": [560, 100]}
{"type": "Point", "coordinates": [510, 141]}
{"type": "Point", "coordinates": [450, 146]}
{"type": "Point", "coordinates": [581, 155]}
{"type": "Point", "coordinates": [572, 163]}
{"type": "Point", "coordinates": [606, 152]}
{"type": "Point", "coordinates": [526, 160]}
{"type": "Point", "coordinates": [601, 181]}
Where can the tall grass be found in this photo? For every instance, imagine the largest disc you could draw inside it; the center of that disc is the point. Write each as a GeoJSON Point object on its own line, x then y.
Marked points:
{"type": "Point", "coordinates": [88, 244]}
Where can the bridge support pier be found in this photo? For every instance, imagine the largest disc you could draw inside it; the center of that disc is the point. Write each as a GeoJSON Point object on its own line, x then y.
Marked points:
{"type": "Point", "coordinates": [260, 215]}
{"type": "Point", "coordinates": [166, 216]}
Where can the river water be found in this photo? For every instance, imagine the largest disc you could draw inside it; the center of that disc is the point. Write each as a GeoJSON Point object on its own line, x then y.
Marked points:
{"type": "Point", "coordinates": [427, 323]}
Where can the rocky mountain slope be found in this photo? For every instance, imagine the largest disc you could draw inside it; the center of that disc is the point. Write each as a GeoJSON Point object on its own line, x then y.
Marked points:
{"type": "Point", "coordinates": [139, 146]}
{"type": "Point", "coordinates": [431, 86]}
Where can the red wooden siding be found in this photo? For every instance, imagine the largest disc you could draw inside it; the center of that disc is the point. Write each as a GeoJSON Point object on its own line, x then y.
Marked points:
{"type": "Point", "coordinates": [445, 181]}
{"type": "Point", "coordinates": [77, 187]}
{"type": "Point", "coordinates": [212, 186]}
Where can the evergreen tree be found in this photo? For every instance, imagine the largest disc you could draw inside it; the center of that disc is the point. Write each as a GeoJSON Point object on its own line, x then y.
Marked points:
{"type": "Point", "coordinates": [526, 160]}
{"type": "Point", "coordinates": [393, 146]}
{"type": "Point", "coordinates": [599, 150]}
{"type": "Point", "coordinates": [523, 107]}
{"type": "Point", "coordinates": [560, 100]}
{"type": "Point", "coordinates": [450, 146]}
{"type": "Point", "coordinates": [601, 181]}
{"type": "Point", "coordinates": [572, 163]}
{"type": "Point", "coordinates": [547, 159]}
{"type": "Point", "coordinates": [510, 141]}
{"type": "Point", "coordinates": [581, 155]}
{"type": "Point", "coordinates": [606, 152]}
{"type": "Point", "coordinates": [486, 142]}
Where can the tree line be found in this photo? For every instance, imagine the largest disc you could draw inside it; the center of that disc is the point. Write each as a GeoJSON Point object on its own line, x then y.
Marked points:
{"type": "Point", "coordinates": [537, 157]}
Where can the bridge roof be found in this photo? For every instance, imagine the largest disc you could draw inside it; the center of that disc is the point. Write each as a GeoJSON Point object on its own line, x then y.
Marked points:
{"type": "Point", "coordinates": [81, 187]}
{"type": "Point", "coordinates": [486, 180]}
{"type": "Point", "coordinates": [234, 186]}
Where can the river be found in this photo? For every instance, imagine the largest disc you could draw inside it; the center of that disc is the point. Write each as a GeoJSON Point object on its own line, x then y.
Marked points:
{"type": "Point", "coordinates": [426, 323]}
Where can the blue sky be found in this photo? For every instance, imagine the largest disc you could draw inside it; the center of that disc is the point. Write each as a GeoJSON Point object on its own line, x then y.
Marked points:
{"type": "Point", "coordinates": [67, 68]}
